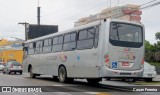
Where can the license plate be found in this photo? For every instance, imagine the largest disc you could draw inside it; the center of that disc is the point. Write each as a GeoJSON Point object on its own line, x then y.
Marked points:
{"type": "Point", "coordinates": [17, 67]}
{"type": "Point", "coordinates": [125, 64]}
{"type": "Point", "coordinates": [125, 73]}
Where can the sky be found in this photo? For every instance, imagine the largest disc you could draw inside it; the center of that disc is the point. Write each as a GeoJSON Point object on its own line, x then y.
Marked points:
{"type": "Point", "coordinates": [64, 13]}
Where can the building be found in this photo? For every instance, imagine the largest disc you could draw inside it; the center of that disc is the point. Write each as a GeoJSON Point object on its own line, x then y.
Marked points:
{"type": "Point", "coordinates": [11, 51]}
{"type": "Point", "coordinates": [11, 55]}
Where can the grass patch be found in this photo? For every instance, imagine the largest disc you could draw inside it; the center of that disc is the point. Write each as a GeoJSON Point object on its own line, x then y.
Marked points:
{"type": "Point", "coordinates": [146, 83]}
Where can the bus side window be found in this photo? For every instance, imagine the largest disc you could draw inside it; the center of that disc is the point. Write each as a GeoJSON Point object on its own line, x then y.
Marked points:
{"type": "Point", "coordinates": [57, 44]}
{"type": "Point", "coordinates": [47, 45]}
{"type": "Point", "coordinates": [38, 48]}
{"type": "Point", "coordinates": [69, 42]}
{"type": "Point", "coordinates": [85, 39]}
{"type": "Point", "coordinates": [31, 48]}
{"type": "Point", "coordinates": [96, 37]}
{"type": "Point", "coordinates": [25, 49]}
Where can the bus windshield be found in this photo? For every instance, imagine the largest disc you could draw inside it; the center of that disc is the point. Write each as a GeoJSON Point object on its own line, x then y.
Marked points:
{"type": "Point", "coordinates": [126, 35]}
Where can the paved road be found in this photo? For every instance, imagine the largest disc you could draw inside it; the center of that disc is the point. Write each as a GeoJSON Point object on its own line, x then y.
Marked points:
{"type": "Point", "coordinates": [79, 87]}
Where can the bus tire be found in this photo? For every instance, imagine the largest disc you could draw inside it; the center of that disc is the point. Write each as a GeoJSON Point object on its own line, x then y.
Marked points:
{"type": "Point", "coordinates": [3, 72]}
{"type": "Point", "coordinates": [20, 73]}
{"type": "Point", "coordinates": [32, 75]}
{"type": "Point", "coordinates": [62, 74]}
{"type": "Point", "coordinates": [94, 80]}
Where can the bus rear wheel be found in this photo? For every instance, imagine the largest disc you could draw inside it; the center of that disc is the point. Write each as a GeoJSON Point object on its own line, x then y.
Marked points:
{"type": "Point", "coordinates": [32, 75]}
{"type": "Point", "coordinates": [94, 80]}
{"type": "Point", "coordinates": [62, 74]}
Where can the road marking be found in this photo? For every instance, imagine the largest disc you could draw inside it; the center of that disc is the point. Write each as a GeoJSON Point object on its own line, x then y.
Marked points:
{"type": "Point", "coordinates": [63, 93]}
{"type": "Point", "coordinates": [104, 94]}
{"type": "Point", "coordinates": [57, 85]}
{"type": "Point", "coordinates": [98, 93]}
{"type": "Point", "coordinates": [92, 92]}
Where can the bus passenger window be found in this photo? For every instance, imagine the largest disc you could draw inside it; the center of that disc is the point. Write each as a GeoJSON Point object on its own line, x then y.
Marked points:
{"type": "Point", "coordinates": [91, 33]}
{"type": "Point", "coordinates": [25, 49]}
{"type": "Point", "coordinates": [69, 42]}
{"type": "Point", "coordinates": [47, 46]}
{"type": "Point", "coordinates": [83, 34]}
{"type": "Point", "coordinates": [57, 44]}
{"type": "Point", "coordinates": [31, 48]}
{"type": "Point", "coordinates": [85, 40]}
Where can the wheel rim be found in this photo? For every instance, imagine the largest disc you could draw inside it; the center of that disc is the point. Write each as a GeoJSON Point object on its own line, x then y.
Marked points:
{"type": "Point", "coordinates": [31, 73]}
{"type": "Point", "coordinates": [62, 75]}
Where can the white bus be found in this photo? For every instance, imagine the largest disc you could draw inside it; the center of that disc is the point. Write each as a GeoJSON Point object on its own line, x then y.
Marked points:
{"type": "Point", "coordinates": [105, 48]}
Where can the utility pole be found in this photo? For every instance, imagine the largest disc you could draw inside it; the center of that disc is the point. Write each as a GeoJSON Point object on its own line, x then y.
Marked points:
{"type": "Point", "coordinates": [26, 29]}
{"type": "Point", "coordinates": [38, 13]}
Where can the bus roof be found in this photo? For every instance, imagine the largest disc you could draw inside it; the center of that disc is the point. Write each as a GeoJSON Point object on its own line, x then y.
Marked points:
{"type": "Point", "coordinates": [66, 31]}
{"type": "Point", "coordinates": [80, 27]}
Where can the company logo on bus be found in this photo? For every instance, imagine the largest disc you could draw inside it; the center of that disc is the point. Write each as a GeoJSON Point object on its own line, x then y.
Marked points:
{"type": "Point", "coordinates": [63, 58]}
{"type": "Point", "coordinates": [127, 56]}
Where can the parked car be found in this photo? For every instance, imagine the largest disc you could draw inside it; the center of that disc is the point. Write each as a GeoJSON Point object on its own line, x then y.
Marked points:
{"type": "Point", "coordinates": [13, 66]}
{"type": "Point", "coordinates": [149, 72]}
{"type": "Point", "coordinates": [1, 67]}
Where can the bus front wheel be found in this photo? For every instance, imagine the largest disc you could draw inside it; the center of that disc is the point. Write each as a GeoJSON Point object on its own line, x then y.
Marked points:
{"type": "Point", "coordinates": [32, 75]}
{"type": "Point", "coordinates": [62, 74]}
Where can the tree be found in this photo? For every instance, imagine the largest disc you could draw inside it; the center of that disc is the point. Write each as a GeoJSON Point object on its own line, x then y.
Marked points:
{"type": "Point", "coordinates": [149, 47]}
{"type": "Point", "coordinates": [157, 35]}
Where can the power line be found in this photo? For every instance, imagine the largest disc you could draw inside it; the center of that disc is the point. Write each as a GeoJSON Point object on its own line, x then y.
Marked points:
{"type": "Point", "coordinates": [58, 11]}
{"type": "Point", "coordinates": [148, 2]}
{"type": "Point", "coordinates": [84, 11]}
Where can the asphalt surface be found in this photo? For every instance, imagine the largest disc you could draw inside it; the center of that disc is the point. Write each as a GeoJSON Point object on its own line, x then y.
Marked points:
{"type": "Point", "coordinates": [51, 86]}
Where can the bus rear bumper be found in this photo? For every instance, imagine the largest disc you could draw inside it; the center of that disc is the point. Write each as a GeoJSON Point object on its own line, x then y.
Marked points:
{"type": "Point", "coordinates": [107, 72]}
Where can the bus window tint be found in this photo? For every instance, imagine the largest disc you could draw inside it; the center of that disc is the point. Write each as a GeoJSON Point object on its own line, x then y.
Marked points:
{"type": "Point", "coordinates": [127, 35]}
{"type": "Point", "coordinates": [31, 49]}
{"type": "Point", "coordinates": [55, 40]}
{"type": "Point", "coordinates": [73, 37]}
{"type": "Point", "coordinates": [26, 49]}
{"type": "Point", "coordinates": [60, 39]}
{"type": "Point", "coordinates": [70, 42]}
{"type": "Point", "coordinates": [83, 34]}
{"type": "Point", "coordinates": [46, 42]}
{"type": "Point", "coordinates": [57, 44]}
{"type": "Point", "coordinates": [91, 33]}
{"type": "Point", "coordinates": [47, 46]}
{"type": "Point", "coordinates": [85, 39]}
{"type": "Point", "coordinates": [37, 47]}
{"type": "Point", "coordinates": [67, 38]}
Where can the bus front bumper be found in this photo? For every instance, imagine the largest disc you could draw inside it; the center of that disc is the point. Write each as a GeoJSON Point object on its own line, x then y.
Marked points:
{"type": "Point", "coordinates": [107, 72]}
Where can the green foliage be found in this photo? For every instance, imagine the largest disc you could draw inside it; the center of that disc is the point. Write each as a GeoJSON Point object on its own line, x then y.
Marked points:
{"type": "Point", "coordinates": [152, 52]}
{"type": "Point", "coordinates": [157, 56]}
{"type": "Point", "coordinates": [157, 35]}
{"type": "Point", "coordinates": [150, 56]}
{"type": "Point", "coordinates": [149, 47]}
